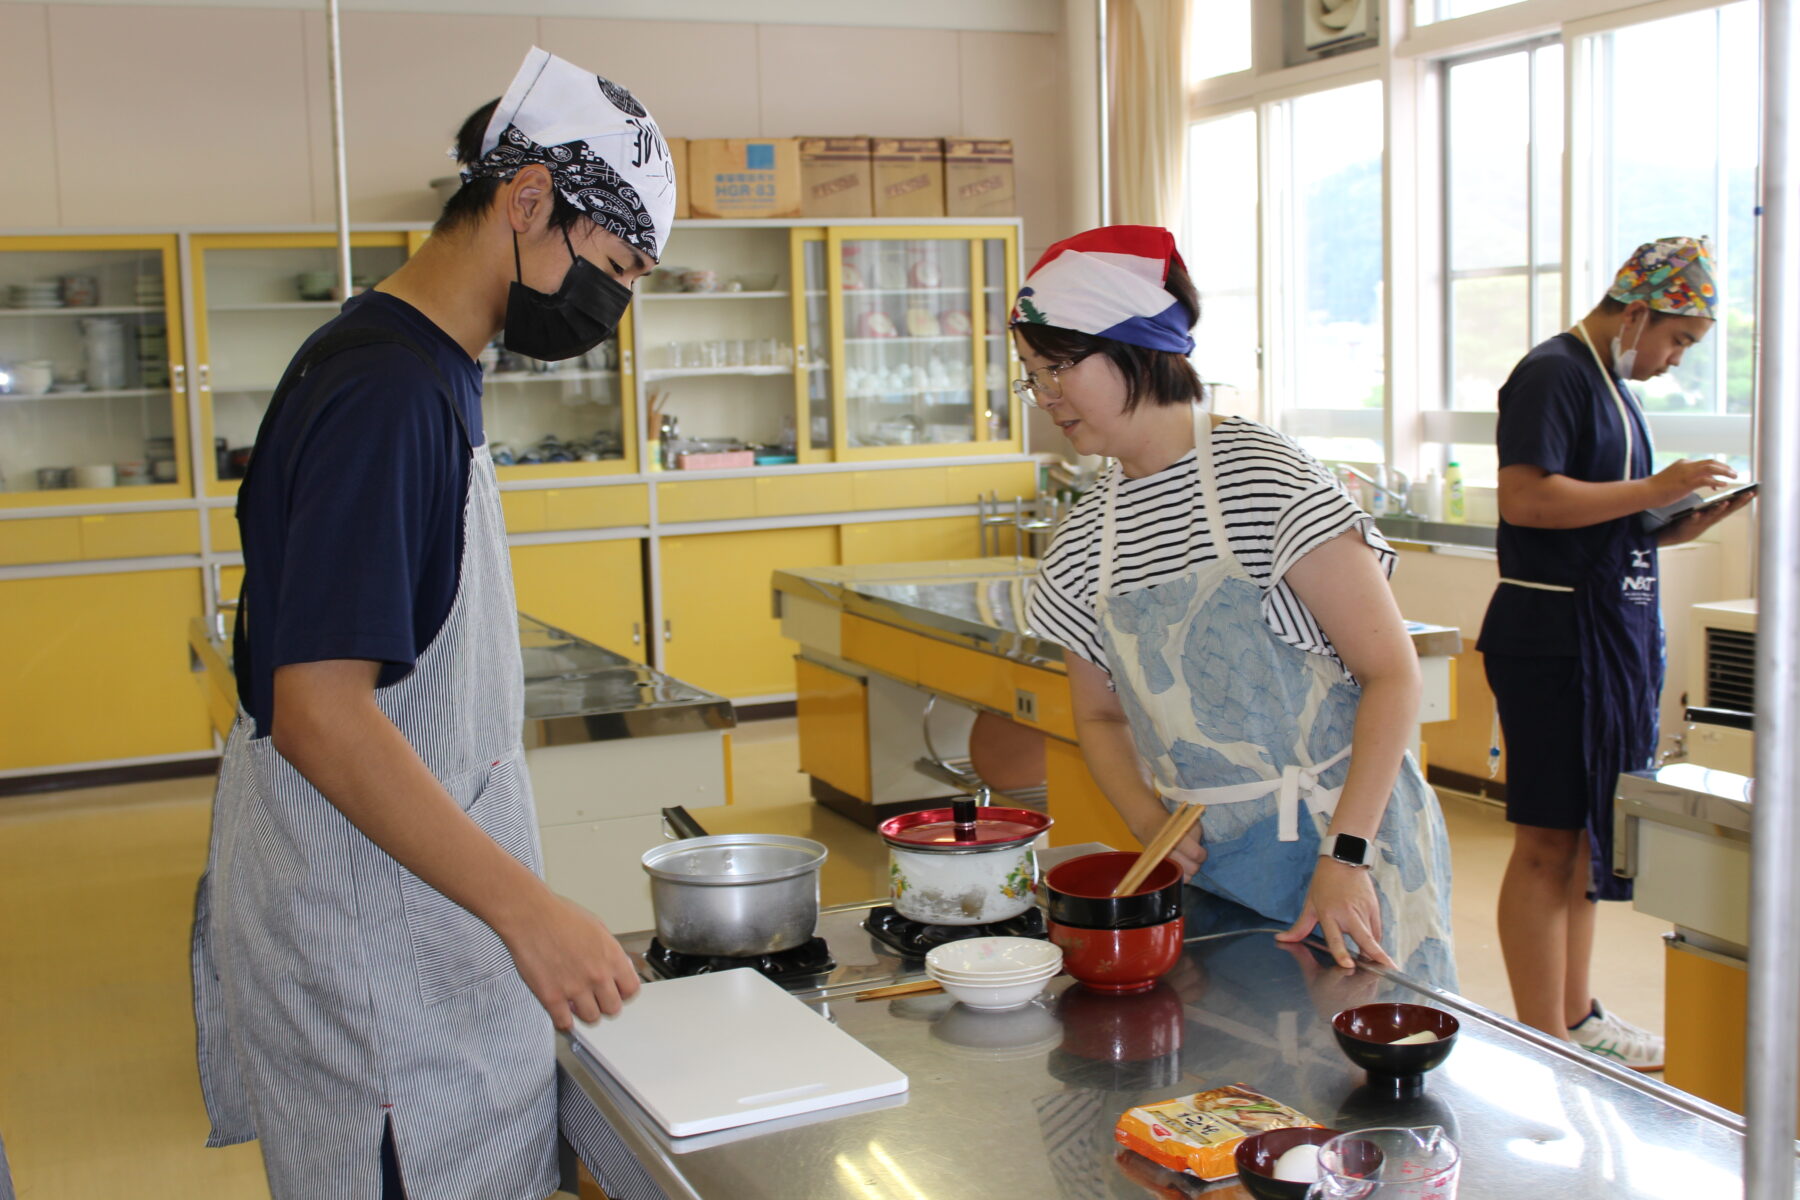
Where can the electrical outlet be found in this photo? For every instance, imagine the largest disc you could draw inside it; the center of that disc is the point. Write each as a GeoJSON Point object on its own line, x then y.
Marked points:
{"type": "Point", "coordinates": [1024, 704]}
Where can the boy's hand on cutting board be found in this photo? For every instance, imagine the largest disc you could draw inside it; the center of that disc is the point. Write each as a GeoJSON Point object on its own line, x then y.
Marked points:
{"type": "Point", "coordinates": [571, 962]}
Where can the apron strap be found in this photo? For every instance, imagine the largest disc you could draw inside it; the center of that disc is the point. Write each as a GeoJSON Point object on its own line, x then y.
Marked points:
{"type": "Point", "coordinates": [1536, 586]}
{"type": "Point", "coordinates": [1206, 477]}
{"type": "Point", "coordinates": [1627, 410]}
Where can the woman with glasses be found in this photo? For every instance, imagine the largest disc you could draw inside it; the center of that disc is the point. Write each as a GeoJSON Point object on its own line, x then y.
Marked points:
{"type": "Point", "coordinates": [1232, 638]}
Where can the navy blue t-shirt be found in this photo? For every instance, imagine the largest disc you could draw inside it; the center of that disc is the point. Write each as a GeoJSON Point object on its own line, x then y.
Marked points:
{"type": "Point", "coordinates": [357, 553]}
{"type": "Point", "coordinates": [1557, 413]}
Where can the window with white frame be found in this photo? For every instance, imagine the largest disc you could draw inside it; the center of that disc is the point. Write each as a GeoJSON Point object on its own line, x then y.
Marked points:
{"type": "Point", "coordinates": [1426, 12]}
{"type": "Point", "coordinates": [1326, 363]}
{"type": "Point", "coordinates": [1502, 155]}
{"type": "Point", "coordinates": [1659, 164]}
{"type": "Point", "coordinates": [1219, 244]}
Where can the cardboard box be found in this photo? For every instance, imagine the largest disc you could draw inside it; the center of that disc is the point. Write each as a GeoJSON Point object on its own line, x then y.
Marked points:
{"type": "Point", "coordinates": [978, 178]}
{"type": "Point", "coordinates": [678, 156]}
{"type": "Point", "coordinates": [835, 177]}
{"type": "Point", "coordinates": [909, 177]}
{"type": "Point", "coordinates": [743, 177]}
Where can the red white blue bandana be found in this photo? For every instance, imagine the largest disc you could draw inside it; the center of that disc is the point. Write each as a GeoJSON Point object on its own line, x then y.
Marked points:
{"type": "Point", "coordinates": [1108, 282]}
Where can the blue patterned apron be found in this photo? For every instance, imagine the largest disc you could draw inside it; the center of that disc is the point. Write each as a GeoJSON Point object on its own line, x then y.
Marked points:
{"type": "Point", "coordinates": [335, 991]}
{"type": "Point", "coordinates": [1228, 715]}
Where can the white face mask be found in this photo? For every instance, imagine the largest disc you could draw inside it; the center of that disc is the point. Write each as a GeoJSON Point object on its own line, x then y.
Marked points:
{"type": "Point", "coordinates": [1624, 361]}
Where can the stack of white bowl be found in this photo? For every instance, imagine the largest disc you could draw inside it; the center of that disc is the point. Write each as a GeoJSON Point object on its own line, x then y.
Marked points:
{"type": "Point", "coordinates": [994, 973]}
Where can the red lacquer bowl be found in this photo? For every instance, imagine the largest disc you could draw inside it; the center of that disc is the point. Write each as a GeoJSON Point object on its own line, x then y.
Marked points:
{"type": "Point", "coordinates": [1119, 960]}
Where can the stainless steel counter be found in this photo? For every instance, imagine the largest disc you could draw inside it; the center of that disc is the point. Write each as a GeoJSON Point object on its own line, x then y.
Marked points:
{"type": "Point", "coordinates": [977, 602]}
{"type": "Point", "coordinates": [1023, 1103]}
{"type": "Point", "coordinates": [575, 691]}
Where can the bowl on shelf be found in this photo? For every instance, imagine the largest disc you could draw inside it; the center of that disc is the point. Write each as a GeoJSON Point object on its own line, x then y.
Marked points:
{"type": "Point", "coordinates": [753, 283]}
{"type": "Point", "coordinates": [1079, 892]}
{"type": "Point", "coordinates": [1257, 1155]}
{"type": "Point", "coordinates": [1370, 1036]}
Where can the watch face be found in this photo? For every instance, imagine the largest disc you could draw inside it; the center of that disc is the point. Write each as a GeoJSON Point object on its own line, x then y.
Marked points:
{"type": "Point", "coordinates": [1351, 849]}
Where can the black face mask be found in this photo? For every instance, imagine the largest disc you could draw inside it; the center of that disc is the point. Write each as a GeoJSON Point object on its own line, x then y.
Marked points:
{"type": "Point", "coordinates": [578, 316]}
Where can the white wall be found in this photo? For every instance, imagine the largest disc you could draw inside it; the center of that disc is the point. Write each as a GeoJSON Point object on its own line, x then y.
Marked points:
{"type": "Point", "coordinates": [144, 115]}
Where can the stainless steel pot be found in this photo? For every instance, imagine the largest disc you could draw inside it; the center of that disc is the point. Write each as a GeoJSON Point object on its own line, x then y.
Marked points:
{"type": "Point", "coordinates": [735, 894]}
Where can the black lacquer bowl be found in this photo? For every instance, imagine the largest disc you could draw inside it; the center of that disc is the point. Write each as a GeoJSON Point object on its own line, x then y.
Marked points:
{"type": "Point", "coordinates": [1079, 893]}
{"type": "Point", "coordinates": [1257, 1154]}
{"type": "Point", "coordinates": [1366, 1035]}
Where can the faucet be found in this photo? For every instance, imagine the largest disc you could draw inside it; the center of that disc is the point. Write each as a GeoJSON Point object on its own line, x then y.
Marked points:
{"type": "Point", "coordinates": [1398, 497]}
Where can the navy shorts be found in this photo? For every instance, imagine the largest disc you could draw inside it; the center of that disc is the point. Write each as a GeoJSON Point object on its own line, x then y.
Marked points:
{"type": "Point", "coordinates": [1539, 699]}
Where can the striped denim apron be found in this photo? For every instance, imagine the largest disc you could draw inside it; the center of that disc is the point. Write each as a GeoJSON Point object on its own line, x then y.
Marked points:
{"type": "Point", "coordinates": [1227, 714]}
{"type": "Point", "coordinates": [335, 990]}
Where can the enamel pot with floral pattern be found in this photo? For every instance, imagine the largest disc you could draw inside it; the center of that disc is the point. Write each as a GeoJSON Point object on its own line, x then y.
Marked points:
{"type": "Point", "coordinates": [964, 865]}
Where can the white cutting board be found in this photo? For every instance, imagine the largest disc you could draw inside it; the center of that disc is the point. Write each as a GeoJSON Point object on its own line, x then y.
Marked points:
{"type": "Point", "coordinates": [715, 1051]}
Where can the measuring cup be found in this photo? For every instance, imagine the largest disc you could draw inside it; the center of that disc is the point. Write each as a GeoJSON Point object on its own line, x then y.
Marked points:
{"type": "Point", "coordinates": [1388, 1164]}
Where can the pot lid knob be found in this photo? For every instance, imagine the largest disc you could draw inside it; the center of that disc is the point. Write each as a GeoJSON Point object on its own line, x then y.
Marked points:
{"type": "Point", "coordinates": [962, 812]}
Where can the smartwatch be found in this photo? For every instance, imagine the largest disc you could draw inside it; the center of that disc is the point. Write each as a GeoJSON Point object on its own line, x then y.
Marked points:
{"type": "Point", "coordinates": [1348, 849]}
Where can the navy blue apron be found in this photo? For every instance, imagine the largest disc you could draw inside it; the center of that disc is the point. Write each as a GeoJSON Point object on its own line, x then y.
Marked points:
{"type": "Point", "coordinates": [1618, 625]}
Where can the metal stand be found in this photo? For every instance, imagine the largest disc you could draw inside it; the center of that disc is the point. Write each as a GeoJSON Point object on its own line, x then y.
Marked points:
{"type": "Point", "coordinates": [1774, 1026]}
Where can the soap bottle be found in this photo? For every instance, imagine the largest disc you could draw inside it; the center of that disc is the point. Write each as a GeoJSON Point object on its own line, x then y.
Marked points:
{"type": "Point", "coordinates": [1454, 510]}
{"type": "Point", "coordinates": [1431, 497]}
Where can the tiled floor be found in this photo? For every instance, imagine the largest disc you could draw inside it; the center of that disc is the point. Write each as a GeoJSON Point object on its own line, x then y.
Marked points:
{"type": "Point", "coordinates": [98, 1097]}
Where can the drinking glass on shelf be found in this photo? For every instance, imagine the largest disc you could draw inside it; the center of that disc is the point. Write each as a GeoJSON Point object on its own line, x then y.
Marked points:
{"type": "Point", "coordinates": [673, 354]}
{"type": "Point", "coordinates": [768, 352]}
{"type": "Point", "coordinates": [735, 353]}
{"type": "Point", "coordinates": [715, 352]}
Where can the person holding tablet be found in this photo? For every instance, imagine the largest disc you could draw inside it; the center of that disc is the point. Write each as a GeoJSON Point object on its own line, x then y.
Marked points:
{"type": "Point", "coordinates": [1573, 637]}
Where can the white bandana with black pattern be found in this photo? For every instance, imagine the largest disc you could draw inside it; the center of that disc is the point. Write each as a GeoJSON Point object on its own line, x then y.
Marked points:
{"type": "Point", "coordinates": [604, 152]}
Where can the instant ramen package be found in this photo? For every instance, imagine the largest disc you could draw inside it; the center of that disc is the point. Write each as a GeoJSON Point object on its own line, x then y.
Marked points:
{"type": "Point", "coordinates": [1199, 1133]}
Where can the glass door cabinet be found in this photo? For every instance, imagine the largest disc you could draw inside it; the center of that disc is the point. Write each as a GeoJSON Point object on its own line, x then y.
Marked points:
{"type": "Point", "coordinates": [91, 373]}
{"type": "Point", "coordinates": [921, 362]}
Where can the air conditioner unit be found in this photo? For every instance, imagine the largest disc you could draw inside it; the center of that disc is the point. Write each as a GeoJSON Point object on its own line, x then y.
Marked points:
{"type": "Point", "coordinates": [1331, 26]}
{"type": "Point", "coordinates": [1722, 686]}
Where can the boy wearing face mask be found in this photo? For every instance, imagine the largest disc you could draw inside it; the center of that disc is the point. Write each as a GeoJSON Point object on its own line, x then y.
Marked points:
{"type": "Point", "coordinates": [378, 965]}
{"type": "Point", "coordinates": [1573, 636]}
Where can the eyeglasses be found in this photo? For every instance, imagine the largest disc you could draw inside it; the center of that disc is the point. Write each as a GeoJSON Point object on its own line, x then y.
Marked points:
{"type": "Point", "coordinates": [1043, 383]}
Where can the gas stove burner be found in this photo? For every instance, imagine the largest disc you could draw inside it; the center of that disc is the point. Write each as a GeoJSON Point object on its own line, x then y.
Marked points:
{"type": "Point", "coordinates": [914, 938]}
{"type": "Point", "coordinates": [798, 964]}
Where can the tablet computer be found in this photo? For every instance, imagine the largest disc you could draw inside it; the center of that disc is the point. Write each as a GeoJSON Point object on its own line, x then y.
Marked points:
{"type": "Point", "coordinates": [1655, 520]}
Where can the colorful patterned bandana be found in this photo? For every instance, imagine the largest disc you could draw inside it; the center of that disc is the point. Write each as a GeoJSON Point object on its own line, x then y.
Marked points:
{"type": "Point", "coordinates": [1108, 282]}
{"type": "Point", "coordinates": [1671, 275]}
{"type": "Point", "coordinates": [605, 153]}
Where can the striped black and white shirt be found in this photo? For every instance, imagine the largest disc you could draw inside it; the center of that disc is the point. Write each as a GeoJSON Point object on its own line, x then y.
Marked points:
{"type": "Point", "coordinates": [1278, 503]}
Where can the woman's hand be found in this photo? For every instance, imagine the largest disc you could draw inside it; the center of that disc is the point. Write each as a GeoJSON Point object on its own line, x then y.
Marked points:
{"type": "Point", "coordinates": [1342, 902]}
{"type": "Point", "coordinates": [1188, 853]}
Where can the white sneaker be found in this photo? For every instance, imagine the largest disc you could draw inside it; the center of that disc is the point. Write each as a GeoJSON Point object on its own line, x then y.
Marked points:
{"type": "Point", "coordinates": [1615, 1038]}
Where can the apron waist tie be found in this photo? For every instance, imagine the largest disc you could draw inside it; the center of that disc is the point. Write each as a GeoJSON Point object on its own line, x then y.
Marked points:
{"type": "Point", "coordinates": [1537, 587]}
{"type": "Point", "coordinates": [1296, 782]}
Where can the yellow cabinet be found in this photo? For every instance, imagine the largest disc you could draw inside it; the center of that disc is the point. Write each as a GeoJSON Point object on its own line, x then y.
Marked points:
{"type": "Point", "coordinates": [39, 540]}
{"type": "Point", "coordinates": [922, 366]}
{"type": "Point", "coordinates": [94, 380]}
{"type": "Point", "coordinates": [102, 671]}
{"type": "Point", "coordinates": [910, 541]}
{"type": "Point", "coordinates": [720, 632]}
{"type": "Point", "coordinates": [594, 590]}
{"type": "Point", "coordinates": [833, 711]}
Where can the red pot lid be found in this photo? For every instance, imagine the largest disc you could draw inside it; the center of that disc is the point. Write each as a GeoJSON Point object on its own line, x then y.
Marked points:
{"type": "Point", "coordinates": [936, 829]}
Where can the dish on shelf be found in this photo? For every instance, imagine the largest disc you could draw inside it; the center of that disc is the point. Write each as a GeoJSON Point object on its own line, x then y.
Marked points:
{"type": "Point", "coordinates": [877, 325]}
{"type": "Point", "coordinates": [955, 323]}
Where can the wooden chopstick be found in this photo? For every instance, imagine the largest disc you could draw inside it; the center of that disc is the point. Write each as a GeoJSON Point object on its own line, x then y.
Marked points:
{"type": "Point", "coordinates": [918, 987]}
{"type": "Point", "coordinates": [1166, 839]}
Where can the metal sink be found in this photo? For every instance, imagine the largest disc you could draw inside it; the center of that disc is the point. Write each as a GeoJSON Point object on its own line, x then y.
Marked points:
{"type": "Point", "coordinates": [1436, 533]}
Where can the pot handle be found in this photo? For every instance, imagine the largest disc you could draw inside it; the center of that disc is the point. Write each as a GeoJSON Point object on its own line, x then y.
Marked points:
{"type": "Point", "coordinates": [679, 824]}
{"type": "Point", "coordinates": [962, 813]}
